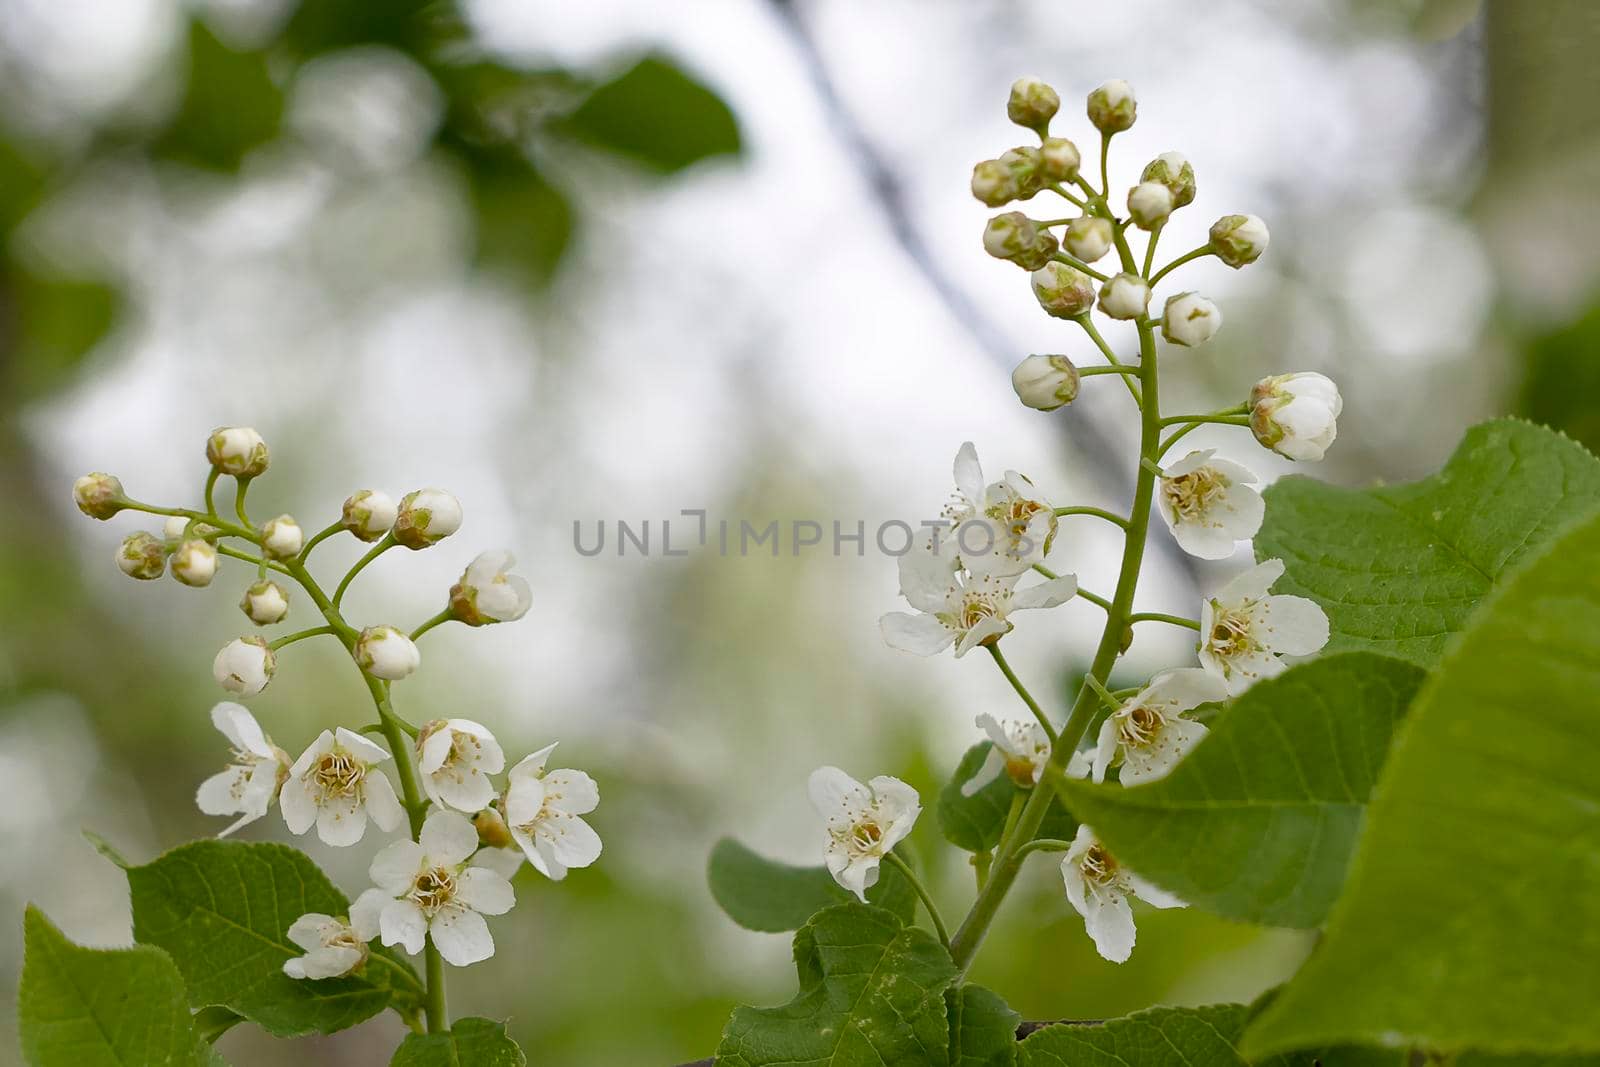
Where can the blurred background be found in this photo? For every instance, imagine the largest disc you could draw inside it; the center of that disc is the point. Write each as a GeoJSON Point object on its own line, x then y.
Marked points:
{"type": "Point", "coordinates": [615, 260]}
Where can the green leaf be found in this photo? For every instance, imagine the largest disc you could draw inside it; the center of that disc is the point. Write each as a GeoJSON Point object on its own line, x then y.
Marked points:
{"type": "Point", "coordinates": [762, 894]}
{"type": "Point", "coordinates": [1472, 916]}
{"type": "Point", "coordinates": [871, 995]}
{"type": "Point", "coordinates": [975, 823]}
{"type": "Point", "coordinates": [478, 1042]}
{"type": "Point", "coordinates": [230, 105]}
{"type": "Point", "coordinates": [85, 1007]}
{"type": "Point", "coordinates": [1399, 569]}
{"type": "Point", "coordinates": [1259, 821]}
{"type": "Point", "coordinates": [983, 1028]}
{"type": "Point", "coordinates": [523, 223]}
{"type": "Point", "coordinates": [656, 115]}
{"type": "Point", "coordinates": [222, 910]}
{"type": "Point", "coordinates": [58, 322]}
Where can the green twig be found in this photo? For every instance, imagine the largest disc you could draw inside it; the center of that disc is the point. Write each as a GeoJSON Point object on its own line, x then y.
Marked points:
{"type": "Point", "coordinates": [1022, 690]}
{"type": "Point", "coordinates": [1156, 616]}
{"type": "Point", "coordinates": [1099, 513]}
{"type": "Point", "coordinates": [289, 639]}
{"type": "Point", "coordinates": [922, 894]}
{"type": "Point", "coordinates": [1203, 250]}
{"type": "Point", "coordinates": [377, 550]}
{"type": "Point", "coordinates": [443, 617]}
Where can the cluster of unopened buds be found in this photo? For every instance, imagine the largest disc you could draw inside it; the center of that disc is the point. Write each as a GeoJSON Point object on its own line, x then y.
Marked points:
{"type": "Point", "coordinates": [468, 834]}
{"type": "Point", "coordinates": [965, 583]}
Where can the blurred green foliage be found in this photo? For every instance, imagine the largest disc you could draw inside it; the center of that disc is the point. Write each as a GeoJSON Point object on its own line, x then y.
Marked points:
{"type": "Point", "coordinates": [1561, 379]}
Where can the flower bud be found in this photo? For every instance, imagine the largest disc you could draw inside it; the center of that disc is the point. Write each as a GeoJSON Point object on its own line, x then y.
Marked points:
{"type": "Point", "coordinates": [1045, 383]}
{"type": "Point", "coordinates": [1059, 159]}
{"type": "Point", "coordinates": [1088, 237]}
{"type": "Point", "coordinates": [244, 666]}
{"type": "Point", "coordinates": [1026, 167]}
{"type": "Point", "coordinates": [369, 514]}
{"type": "Point", "coordinates": [1149, 204]}
{"type": "Point", "coordinates": [1239, 239]}
{"type": "Point", "coordinates": [1064, 292]}
{"type": "Point", "coordinates": [194, 563]}
{"type": "Point", "coordinates": [492, 829]}
{"type": "Point", "coordinates": [992, 183]}
{"type": "Point", "coordinates": [1190, 319]}
{"type": "Point", "coordinates": [176, 528]}
{"type": "Point", "coordinates": [98, 496]}
{"type": "Point", "coordinates": [1173, 171]}
{"type": "Point", "coordinates": [237, 450]}
{"type": "Point", "coordinates": [488, 592]}
{"type": "Point", "coordinates": [1125, 296]}
{"type": "Point", "coordinates": [282, 538]}
{"type": "Point", "coordinates": [142, 555]}
{"type": "Point", "coordinates": [1032, 104]}
{"type": "Point", "coordinates": [425, 517]}
{"type": "Point", "coordinates": [1018, 238]}
{"type": "Point", "coordinates": [265, 603]}
{"type": "Point", "coordinates": [1112, 107]}
{"type": "Point", "coordinates": [1296, 415]}
{"type": "Point", "coordinates": [384, 652]}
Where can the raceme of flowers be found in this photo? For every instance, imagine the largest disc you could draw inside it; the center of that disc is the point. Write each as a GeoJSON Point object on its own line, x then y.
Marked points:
{"type": "Point", "coordinates": [473, 831]}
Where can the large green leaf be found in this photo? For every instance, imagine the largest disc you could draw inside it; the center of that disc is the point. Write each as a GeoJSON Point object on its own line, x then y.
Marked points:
{"type": "Point", "coordinates": [230, 105]}
{"type": "Point", "coordinates": [1259, 821]}
{"type": "Point", "coordinates": [222, 910]}
{"type": "Point", "coordinates": [871, 995]}
{"type": "Point", "coordinates": [974, 823]}
{"type": "Point", "coordinates": [657, 115]}
{"type": "Point", "coordinates": [762, 894]}
{"type": "Point", "coordinates": [58, 321]}
{"type": "Point", "coordinates": [1472, 916]}
{"type": "Point", "coordinates": [474, 1042]}
{"type": "Point", "coordinates": [983, 1028]}
{"type": "Point", "coordinates": [84, 1007]}
{"type": "Point", "coordinates": [1398, 569]}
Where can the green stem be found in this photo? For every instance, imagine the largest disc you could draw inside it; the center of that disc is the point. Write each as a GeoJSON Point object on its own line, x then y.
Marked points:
{"type": "Point", "coordinates": [1223, 419]}
{"type": "Point", "coordinates": [1055, 187]}
{"type": "Point", "coordinates": [1090, 372]}
{"type": "Point", "coordinates": [238, 504]}
{"type": "Point", "coordinates": [1156, 616]}
{"type": "Point", "coordinates": [256, 561]}
{"type": "Point", "coordinates": [1105, 695]}
{"type": "Point", "coordinates": [438, 1016]}
{"type": "Point", "coordinates": [444, 616]}
{"type": "Point", "coordinates": [922, 894]}
{"type": "Point", "coordinates": [1203, 250]}
{"type": "Point", "coordinates": [980, 864]}
{"type": "Point", "coordinates": [377, 550]}
{"type": "Point", "coordinates": [1022, 690]}
{"type": "Point", "coordinates": [290, 639]}
{"type": "Point", "coordinates": [1018, 802]}
{"type": "Point", "coordinates": [1100, 513]}
{"type": "Point", "coordinates": [1111, 357]}
{"type": "Point", "coordinates": [1078, 264]}
{"type": "Point", "coordinates": [1150, 249]}
{"type": "Point", "coordinates": [964, 946]}
{"type": "Point", "coordinates": [1095, 598]}
{"type": "Point", "coordinates": [1105, 170]}
{"type": "Point", "coordinates": [319, 537]}
{"type": "Point", "coordinates": [211, 488]}
{"type": "Point", "coordinates": [1042, 844]}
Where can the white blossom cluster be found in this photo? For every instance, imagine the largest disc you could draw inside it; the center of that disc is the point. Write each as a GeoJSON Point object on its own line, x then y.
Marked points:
{"type": "Point", "coordinates": [474, 832]}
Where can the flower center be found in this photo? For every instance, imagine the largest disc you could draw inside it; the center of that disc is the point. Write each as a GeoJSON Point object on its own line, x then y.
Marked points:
{"type": "Point", "coordinates": [1098, 867]}
{"type": "Point", "coordinates": [866, 835]}
{"type": "Point", "coordinates": [433, 889]}
{"type": "Point", "coordinates": [1192, 495]}
{"type": "Point", "coordinates": [1138, 726]}
{"type": "Point", "coordinates": [1230, 632]}
{"type": "Point", "coordinates": [339, 774]}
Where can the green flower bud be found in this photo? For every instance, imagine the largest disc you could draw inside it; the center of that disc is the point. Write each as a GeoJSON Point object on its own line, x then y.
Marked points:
{"type": "Point", "coordinates": [143, 556]}
{"type": "Point", "coordinates": [1239, 239]}
{"type": "Point", "coordinates": [98, 496]}
{"type": "Point", "coordinates": [1064, 292]}
{"type": "Point", "coordinates": [1032, 104]}
{"type": "Point", "coordinates": [1112, 107]}
{"type": "Point", "coordinates": [1173, 171]}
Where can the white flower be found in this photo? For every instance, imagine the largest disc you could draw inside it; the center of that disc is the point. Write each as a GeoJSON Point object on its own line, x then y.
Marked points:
{"type": "Point", "coordinates": [1190, 319]}
{"type": "Point", "coordinates": [244, 666]}
{"type": "Point", "coordinates": [1032, 104]}
{"type": "Point", "coordinates": [1064, 292]}
{"type": "Point", "coordinates": [143, 556]}
{"type": "Point", "coordinates": [1125, 296]}
{"type": "Point", "coordinates": [282, 537]}
{"type": "Point", "coordinates": [455, 756]}
{"type": "Point", "coordinates": [1112, 107]}
{"type": "Point", "coordinates": [385, 652]}
{"type": "Point", "coordinates": [489, 592]}
{"type": "Point", "coordinates": [1045, 383]}
{"type": "Point", "coordinates": [543, 813]}
{"type": "Point", "coordinates": [1019, 750]}
{"type": "Point", "coordinates": [1059, 159]}
{"type": "Point", "coordinates": [265, 602]}
{"type": "Point", "coordinates": [333, 784]}
{"type": "Point", "coordinates": [1010, 517]}
{"type": "Point", "coordinates": [434, 893]}
{"type": "Point", "coordinates": [369, 513]}
{"type": "Point", "coordinates": [237, 450]}
{"type": "Point", "coordinates": [195, 563]}
{"type": "Point", "coordinates": [426, 517]}
{"type": "Point", "coordinates": [1208, 504]}
{"type": "Point", "coordinates": [1173, 171]}
{"type": "Point", "coordinates": [1098, 888]}
{"type": "Point", "coordinates": [1149, 204]}
{"type": "Point", "coordinates": [966, 606]}
{"type": "Point", "coordinates": [1296, 415]}
{"type": "Point", "coordinates": [249, 783]}
{"type": "Point", "coordinates": [1088, 237]}
{"type": "Point", "coordinates": [335, 947]}
{"type": "Point", "coordinates": [1148, 735]}
{"type": "Point", "coordinates": [98, 495]}
{"type": "Point", "coordinates": [865, 822]}
{"type": "Point", "coordinates": [1243, 631]}
{"type": "Point", "coordinates": [1238, 240]}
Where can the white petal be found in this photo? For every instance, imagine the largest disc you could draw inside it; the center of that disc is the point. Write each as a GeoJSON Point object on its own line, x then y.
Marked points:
{"type": "Point", "coordinates": [1182, 689]}
{"type": "Point", "coordinates": [402, 923]}
{"type": "Point", "coordinates": [299, 805]}
{"type": "Point", "coordinates": [986, 628]}
{"type": "Point", "coordinates": [217, 795]}
{"type": "Point", "coordinates": [1252, 584]}
{"type": "Point", "coordinates": [382, 804]}
{"type": "Point", "coordinates": [923, 635]}
{"type": "Point", "coordinates": [447, 838]}
{"type": "Point", "coordinates": [1046, 595]}
{"type": "Point", "coordinates": [993, 765]}
{"type": "Point", "coordinates": [894, 796]}
{"type": "Point", "coordinates": [434, 750]}
{"type": "Point", "coordinates": [307, 931]}
{"type": "Point", "coordinates": [570, 840]}
{"type": "Point", "coordinates": [314, 751]}
{"type": "Point", "coordinates": [532, 765]}
{"type": "Point", "coordinates": [539, 861]}
{"type": "Point", "coordinates": [524, 800]}
{"type": "Point", "coordinates": [1295, 626]}
{"type": "Point", "coordinates": [366, 912]}
{"type": "Point", "coordinates": [858, 875]}
{"type": "Point", "coordinates": [489, 757]}
{"type": "Point", "coordinates": [505, 862]}
{"type": "Point", "coordinates": [969, 474]}
{"type": "Point", "coordinates": [328, 961]}
{"type": "Point", "coordinates": [484, 890]}
{"type": "Point", "coordinates": [1237, 473]}
{"type": "Point", "coordinates": [1188, 464]}
{"type": "Point", "coordinates": [573, 792]}
{"type": "Point", "coordinates": [464, 790]}
{"type": "Point", "coordinates": [1109, 921]}
{"type": "Point", "coordinates": [360, 747]}
{"type": "Point", "coordinates": [341, 821]}
{"type": "Point", "coordinates": [836, 795]}
{"type": "Point", "coordinates": [926, 579]}
{"type": "Point", "coordinates": [1105, 749]}
{"type": "Point", "coordinates": [395, 867]}
{"type": "Point", "coordinates": [295, 968]}
{"type": "Point", "coordinates": [1155, 760]}
{"type": "Point", "coordinates": [1204, 541]}
{"type": "Point", "coordinates": [549, 863]}
{"type": "Point", "coordinates": [461, 936]}
{"type": "Point", "coordinates": [1153, 895]}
